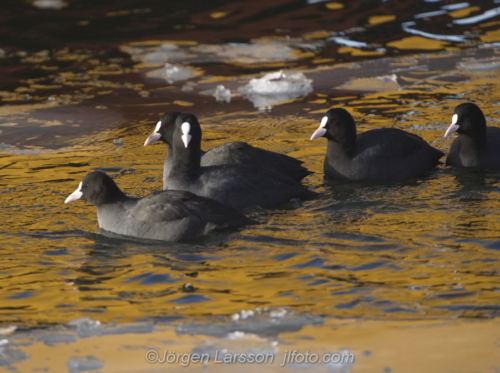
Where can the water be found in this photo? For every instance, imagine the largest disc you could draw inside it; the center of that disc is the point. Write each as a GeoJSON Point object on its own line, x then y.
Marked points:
{"type": "Point", "coordinates": [378, 265]}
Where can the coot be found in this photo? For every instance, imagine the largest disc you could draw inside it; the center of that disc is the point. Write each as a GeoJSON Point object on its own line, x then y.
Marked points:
{"type": "Point", "coordinates": [238, 186]}
{"type": "Point", "coordinates": [236, 152]}
{"type": "Point", "coordinates": [380, 154]}
{"type": "Point", "coordinates": [169, 215]}
{"type": "Point", "coordinates": [476, 145]}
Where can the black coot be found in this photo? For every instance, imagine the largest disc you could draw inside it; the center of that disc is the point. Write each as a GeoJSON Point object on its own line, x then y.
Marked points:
{"type": "Point", "coordinates": [238, 186]}
{"type": "Point", "coordinates": [237, 152]}
{"type": "Point", "coordinates": [476, 145]}
{"type": "Point", "coordinates": [380, 154]}
{"type": "Point", "coordinates": [169, 215]}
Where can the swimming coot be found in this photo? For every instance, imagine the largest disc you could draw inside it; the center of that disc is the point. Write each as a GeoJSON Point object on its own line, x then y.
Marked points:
{"type": "Point", "coordinates": [236, 152]}
{"type": "Point", "coordinates": [380, 154]}
{"type": "Point", "coordinates": [476, 145]}
{"type": "Point", "coordinates": [238, 186]}
{"type": "Point", "coordinates": [169, 215]}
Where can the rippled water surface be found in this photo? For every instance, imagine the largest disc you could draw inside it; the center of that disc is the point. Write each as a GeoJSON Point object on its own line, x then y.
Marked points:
{"type": "Point", "coordinates": [88, 93]}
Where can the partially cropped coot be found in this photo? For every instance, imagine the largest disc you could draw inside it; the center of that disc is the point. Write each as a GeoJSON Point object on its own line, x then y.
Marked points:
{"type": "Point", "coordinates": [236, 153]}
{"type": "Point", "coordinates": [169, 215]}
{"type": "Point", "coordinates": [238, 186]}
{"type": "Point", "coordinates": [476, 145]}
{"type": "Point", "coordinates": [380, 154]}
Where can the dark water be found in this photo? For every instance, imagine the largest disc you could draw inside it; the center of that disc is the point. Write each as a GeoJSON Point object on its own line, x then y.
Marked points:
{"type": "Point", "coordinates": [82, 87]}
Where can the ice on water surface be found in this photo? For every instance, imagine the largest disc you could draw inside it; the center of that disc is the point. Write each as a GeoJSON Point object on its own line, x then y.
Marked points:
{"type": "Point", "coordinates": [172, 73]}
{"type": "Point", "coordinates": [276, 87]}
{"type": "Point", "coordinates": [222, 94]}
{"type": "Point", "coordinates": [255, 52]}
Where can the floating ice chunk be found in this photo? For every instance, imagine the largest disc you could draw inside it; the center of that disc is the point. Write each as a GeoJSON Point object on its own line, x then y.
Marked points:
{"type": "Point", "coordinates": [258, 52]}
{"type": "Point", "coordinates": [281, 82]}
{"type": "Point", "coordinates": [49, 4]}
{"type": "Point", "coordinates": [278, 313]}
{"type": "Point", "coordinates": [81, 364]}
{"type": "Point", "coordinates": [235, 335]}
{"type": "Point", "coordinates": [172, 73]}
{"type": "Point", "coordinates": [52, 339]}
{"type": "Point", "coordinates": [10, 355]}
{"type": "Point", "coordinates": [260, 324]}
{"type": "Point", "coordinates": [8, 329]}
{"type": "Point", "coordinates": [162, 56]}
{"type": "Point", "coordinates": [276, 87]}
{"type": "Point", "coordinates": [222, 94]}
{"type": "Point", "coordinates": [87, 327]}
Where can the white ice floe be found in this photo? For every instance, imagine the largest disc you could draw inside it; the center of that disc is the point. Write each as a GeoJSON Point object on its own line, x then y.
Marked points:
{"type": "Point", "coordinates": [172, 73]}
{"type": "Point", "coordinates": [166, 52]}
{"type": "Point", "coordinates": [276, 87]}
{"type": "Point", "coordinates": [247, 53]}
{"type": "Point", "coordinates": [257, 52]}
{"type": "Point", "coordinates": [6, 330]}
{"type": "Point", "coordinates": [222, 94]}
{"type": "Point", "coordinates": [84, 364]}
{"type": "Point", "coordinates": [175, 73]}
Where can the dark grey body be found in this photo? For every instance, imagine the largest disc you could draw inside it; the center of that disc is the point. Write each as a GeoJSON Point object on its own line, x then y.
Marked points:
{"type": "Point", "coordinates": [241, 153]}
{"type": "Point", "coordinates": [169, 215]}
{"type": "Point", "coordinates": [173, 215]}
{"type": "Point", "coordinates": [465, 151]}
{"type": "Point", "coordinates": [239, 186]}
{"type": "Point", "coordinates": [381, 154]}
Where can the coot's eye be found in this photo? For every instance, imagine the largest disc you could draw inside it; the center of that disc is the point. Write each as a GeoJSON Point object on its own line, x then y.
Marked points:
{"type": "Point", "coordinates": [88, 185]}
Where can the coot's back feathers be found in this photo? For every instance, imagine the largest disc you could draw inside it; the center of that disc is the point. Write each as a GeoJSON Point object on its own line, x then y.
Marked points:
{"type": "Point", "coordinates": [241, 153]}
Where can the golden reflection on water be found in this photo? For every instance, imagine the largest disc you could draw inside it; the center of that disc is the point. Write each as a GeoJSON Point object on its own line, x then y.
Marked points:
{"type": "Point", "coordinates": [414, 249]}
